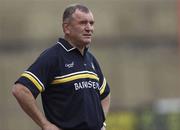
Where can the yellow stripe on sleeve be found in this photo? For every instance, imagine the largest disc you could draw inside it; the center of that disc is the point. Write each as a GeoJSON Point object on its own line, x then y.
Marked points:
{"type": "Point", "coordinates": [35, 82]}
{"type": "Point", "coordinates": [103, 87]}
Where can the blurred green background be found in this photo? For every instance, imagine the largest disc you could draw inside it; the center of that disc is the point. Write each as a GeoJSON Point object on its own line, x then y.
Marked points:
{"type": "Point", "coordinates": [135, 41]}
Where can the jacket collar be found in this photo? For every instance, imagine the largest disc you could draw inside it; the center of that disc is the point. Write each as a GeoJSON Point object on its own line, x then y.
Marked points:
{"type": "Point", "coordinates": [65, 45]}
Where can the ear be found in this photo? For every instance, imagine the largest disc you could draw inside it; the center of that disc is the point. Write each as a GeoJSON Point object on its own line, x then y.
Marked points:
{"type": "Point", "coordinates": [66, 28]}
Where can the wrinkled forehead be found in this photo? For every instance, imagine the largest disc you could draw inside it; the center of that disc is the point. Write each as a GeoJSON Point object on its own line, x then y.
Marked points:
{"type": "Point", "coordinates": [78, 14]}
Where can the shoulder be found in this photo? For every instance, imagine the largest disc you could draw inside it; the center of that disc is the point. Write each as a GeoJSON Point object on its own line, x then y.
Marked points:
{"type": "Point", "coordinates": [54, 51]}
{"type": "Point", "coordinates": [49, 55]}
{"type": "Point", "coordinates": [93, 59]}
{"type": "Point", "coordinates": [90, 55]}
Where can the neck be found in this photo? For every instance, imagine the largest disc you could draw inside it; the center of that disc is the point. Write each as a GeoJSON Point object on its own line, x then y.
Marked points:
{"type": "Point", "coordinates": [80, 48]}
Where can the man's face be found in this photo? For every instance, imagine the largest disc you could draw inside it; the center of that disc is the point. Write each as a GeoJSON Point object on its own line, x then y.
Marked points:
{"type": "Point", "coordinates": [80, 28]}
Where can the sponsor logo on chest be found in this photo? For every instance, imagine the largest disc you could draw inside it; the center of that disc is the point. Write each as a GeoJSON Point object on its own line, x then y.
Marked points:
{"type": "Point", "coordinates": [86, 85]}
{"type": "Point", "coordinates": [70, 65]}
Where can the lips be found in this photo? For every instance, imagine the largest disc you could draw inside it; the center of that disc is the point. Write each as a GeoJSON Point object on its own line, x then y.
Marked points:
{"type": "Point", "coordinates": [89, 35]}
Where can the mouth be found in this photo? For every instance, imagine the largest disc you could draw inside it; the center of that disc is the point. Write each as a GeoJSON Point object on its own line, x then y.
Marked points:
{"type": "Point", "coordinates": [87, 35]}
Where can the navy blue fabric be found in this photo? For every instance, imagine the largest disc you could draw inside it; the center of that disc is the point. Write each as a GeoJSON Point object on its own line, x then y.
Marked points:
{"type": "Point", "coordinates": [74, 104]}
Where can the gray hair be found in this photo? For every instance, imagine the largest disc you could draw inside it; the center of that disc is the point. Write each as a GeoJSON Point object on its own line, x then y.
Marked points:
{"type": "Point", "coordinates": [72, 8]}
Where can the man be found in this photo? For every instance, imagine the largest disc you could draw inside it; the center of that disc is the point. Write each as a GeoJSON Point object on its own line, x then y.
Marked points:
{"type": "Point", "coordinates": [75, 95]}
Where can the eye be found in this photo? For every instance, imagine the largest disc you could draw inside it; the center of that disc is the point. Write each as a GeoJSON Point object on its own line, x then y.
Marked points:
{"type": "Point", "coordinates": [87, 22]}
{"type": "Point", "coordinates": [83, 22]}
{"type": "Point", "coordinates": [91, 22]}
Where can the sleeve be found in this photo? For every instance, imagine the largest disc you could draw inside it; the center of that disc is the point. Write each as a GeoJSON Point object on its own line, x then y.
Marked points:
{"type": "Point", "coordinates": [104, 88]}
{"type": "Point", "coordinates": [38, 75]}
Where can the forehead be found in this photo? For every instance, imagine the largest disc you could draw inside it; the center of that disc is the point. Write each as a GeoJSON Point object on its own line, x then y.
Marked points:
{"type": "Point", "coordinates": [79, 15]}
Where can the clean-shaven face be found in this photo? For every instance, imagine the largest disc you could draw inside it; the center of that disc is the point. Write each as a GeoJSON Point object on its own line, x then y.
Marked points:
{"type": "Point", "coordinates": [81, 28]}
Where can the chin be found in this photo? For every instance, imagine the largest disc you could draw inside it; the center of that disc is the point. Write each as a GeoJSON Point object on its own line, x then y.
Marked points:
{"type": "Point", "coordinates": [87, 41]}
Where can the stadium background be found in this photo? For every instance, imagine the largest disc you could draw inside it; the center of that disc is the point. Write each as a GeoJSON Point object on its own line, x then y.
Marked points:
{"type": "Point", "coordinates": [135, 42]}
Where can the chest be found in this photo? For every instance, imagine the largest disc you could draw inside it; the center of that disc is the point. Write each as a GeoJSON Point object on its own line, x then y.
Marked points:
{"type": "Point", "coordinates": [75, 63]}
{"type": "Point", "coordinates": [75, 74]}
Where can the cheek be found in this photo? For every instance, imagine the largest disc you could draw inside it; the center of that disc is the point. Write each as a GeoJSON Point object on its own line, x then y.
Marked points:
{"type": "Point", "coordinates": [79, 28]}
{"type": "Point", "coordinates": [77, 32]}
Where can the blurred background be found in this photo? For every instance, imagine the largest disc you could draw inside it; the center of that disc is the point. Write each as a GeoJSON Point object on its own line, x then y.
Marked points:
{"type": "Point", "coordinates": [135, 41]}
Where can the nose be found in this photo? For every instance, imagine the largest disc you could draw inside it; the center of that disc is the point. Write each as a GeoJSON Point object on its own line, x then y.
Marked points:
{"type": "Point", "coordinates": [89, 27]}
